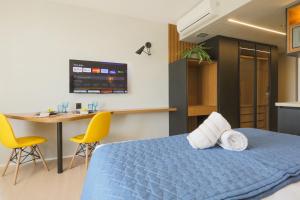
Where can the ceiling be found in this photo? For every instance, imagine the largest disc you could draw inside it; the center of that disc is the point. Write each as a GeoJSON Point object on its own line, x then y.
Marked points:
{"type": "Point", "coordinates": [166, 11]}
{"type": "Point", "coordinates": [266, 13]}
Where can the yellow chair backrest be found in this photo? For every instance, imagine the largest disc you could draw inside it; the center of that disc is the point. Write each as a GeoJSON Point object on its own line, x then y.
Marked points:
{"type": "Point", "coordinates": [7, 136]}
{"type": "Point", "coordinates": [98, 128]}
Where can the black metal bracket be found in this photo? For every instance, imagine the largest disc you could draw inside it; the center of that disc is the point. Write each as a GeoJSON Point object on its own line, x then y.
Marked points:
{"type": "Point", "coordinates": [82, 149]}
{"type": "Point", "coordinates": [25, 155]}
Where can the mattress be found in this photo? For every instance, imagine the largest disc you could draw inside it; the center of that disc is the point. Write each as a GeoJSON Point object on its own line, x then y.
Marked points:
{"type": "Point", "coordinates": [169, 168]}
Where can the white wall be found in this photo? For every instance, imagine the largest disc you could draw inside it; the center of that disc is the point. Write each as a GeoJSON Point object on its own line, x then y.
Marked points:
{"type": "Point", "coordinates": [37, 39]}
{"type": "Point", "coordinates": [287, 82]}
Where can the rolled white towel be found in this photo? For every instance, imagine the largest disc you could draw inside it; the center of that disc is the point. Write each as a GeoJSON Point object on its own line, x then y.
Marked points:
{"type": "Point", "coordinates": [233, 140]}
{"type": "Point", "coordinates": [208, 133]}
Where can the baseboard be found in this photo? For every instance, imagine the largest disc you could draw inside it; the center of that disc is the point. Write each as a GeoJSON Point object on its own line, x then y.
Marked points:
{"type": "Point", "coordinates": [37, 161]}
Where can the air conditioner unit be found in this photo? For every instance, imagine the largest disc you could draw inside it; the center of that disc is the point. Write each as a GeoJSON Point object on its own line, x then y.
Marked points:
{"type": "Point", "coordinates": [198, 17]}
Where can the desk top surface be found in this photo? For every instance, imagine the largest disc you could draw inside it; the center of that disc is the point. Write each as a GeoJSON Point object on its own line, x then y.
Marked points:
{"type": "Point", "coordinates": [288, 104]}
{"type": "Point", "coordinates": [73, 117]}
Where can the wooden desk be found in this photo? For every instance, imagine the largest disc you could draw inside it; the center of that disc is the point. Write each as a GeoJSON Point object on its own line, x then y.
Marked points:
{"type": "Point", "coordinates": [60, 118]}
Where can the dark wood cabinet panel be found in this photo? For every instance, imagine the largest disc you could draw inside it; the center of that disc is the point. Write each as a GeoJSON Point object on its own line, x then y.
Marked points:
{"type": "Point", "coordinates": [274, 88]}
{"type": "Point", "coordinates": [178, 98]}
{"type": "Point", "coordinates": [288, 120]}
{"type": "Point", "coordinates": [193, 91]}
{"type": "Point", "coordinates": [184, 82]}
{"type": "Point", "coordinates": [228, 80]}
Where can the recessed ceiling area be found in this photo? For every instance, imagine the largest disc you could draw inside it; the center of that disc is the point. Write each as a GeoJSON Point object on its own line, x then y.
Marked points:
{"type": "Point", "coordinates": [264, 13]}
{"type": "Point", "coordinates": [166, 11]}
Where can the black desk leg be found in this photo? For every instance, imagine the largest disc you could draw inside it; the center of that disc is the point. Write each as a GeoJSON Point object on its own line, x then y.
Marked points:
{"type": "Point", "coordinates": [59, 148]}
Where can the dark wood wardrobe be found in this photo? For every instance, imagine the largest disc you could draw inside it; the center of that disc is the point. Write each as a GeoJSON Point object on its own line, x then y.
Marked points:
{"type": "Point", "coordinates": [241, 84]}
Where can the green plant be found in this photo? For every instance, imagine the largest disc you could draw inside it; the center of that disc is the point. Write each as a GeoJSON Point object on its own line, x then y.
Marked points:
{"type": "Point", "coordinates": [198, 52]}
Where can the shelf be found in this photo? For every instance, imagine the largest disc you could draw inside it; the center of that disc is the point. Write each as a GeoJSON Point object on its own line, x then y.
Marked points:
{"type": "Point", "coordinates": [252, 57]}
{"type": "Point", "coordinates": [202, 84]}
{"type": "Point", "coordinates": [195, 62]}
{"type": "Point", "coordinates": [200, 110]}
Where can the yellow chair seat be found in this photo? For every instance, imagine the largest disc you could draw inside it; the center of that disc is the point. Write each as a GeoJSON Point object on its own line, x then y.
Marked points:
{"type": "Point", "coordinates": [29, 141]}
{"type": "Point", "coordinates": [78, 138]}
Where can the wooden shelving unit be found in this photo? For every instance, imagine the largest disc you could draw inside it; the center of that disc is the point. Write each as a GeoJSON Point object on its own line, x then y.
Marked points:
{"type": "Point", "coordinates": [193, 90]}
{"type": "Point", "coordinates": [293, 21]}
{"type": "Point", "coordinates": [196, 89]}
{"type": "Point", "coordinates": [247, 116]}
{"type": "Point", "coordinates": [202, 91]}
{"type": "Point", "coordinates": [254, 113]}
{"type": "Point", "coordinates": [200, 110]}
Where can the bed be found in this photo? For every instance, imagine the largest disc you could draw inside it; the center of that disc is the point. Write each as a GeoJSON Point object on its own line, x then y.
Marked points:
{"type": "Point", "coordinates": [169, 168]}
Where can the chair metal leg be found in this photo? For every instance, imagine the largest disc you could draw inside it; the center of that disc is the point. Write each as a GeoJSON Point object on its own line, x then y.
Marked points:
{"type": "Point", "coordinates": [7, 164]}
{"type": "Point", "coordinates": [33, 157]}
{"type": "Point", "coordinates": [18, 166]}
{"type": "Point", "coordinates": [71, 163]}
{"type": "Point", "coordinates": [42, 158]}
{"type": "Point", "coordinates": [86, 156]}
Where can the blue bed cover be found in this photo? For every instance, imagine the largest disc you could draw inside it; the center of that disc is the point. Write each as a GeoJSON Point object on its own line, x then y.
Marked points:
{"type": "Point", "coordinates": [169, 168]}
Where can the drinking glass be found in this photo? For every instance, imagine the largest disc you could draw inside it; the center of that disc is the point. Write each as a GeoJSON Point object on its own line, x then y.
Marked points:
{"type": "Point", "coordinates": [90, 107]}
{"type": "Point", "coordinates": [65, 106]}
{"type": "Point", "coordinates": [95, 105]}
{"type": "Point", "coordinates": [60, 108]}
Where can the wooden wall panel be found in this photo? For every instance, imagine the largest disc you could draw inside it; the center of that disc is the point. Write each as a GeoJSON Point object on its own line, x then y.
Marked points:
{"type": "Point", "coordinates": [176, 47]}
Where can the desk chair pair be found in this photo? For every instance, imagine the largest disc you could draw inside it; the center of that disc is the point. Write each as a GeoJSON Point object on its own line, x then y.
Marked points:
{"type": "Point", "coordinates": [98, 129]}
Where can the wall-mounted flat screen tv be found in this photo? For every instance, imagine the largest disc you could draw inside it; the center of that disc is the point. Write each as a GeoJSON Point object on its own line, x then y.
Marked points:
{"type": "Point", "coordinates": [97, 77]}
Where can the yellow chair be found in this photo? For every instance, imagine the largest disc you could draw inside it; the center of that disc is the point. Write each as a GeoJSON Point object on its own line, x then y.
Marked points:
{"type": "Point", "coordinates": [19, 146]}
{"type": "Point", "coordinates": [98, 129]}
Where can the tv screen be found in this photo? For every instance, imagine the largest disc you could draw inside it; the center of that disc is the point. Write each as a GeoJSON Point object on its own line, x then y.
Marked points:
{"type": "Point", "coordinates": [97, 77]}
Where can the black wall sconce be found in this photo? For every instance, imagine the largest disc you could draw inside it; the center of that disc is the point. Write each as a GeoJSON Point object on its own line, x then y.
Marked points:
{"type": "Point", "coordinates": [146, 51]}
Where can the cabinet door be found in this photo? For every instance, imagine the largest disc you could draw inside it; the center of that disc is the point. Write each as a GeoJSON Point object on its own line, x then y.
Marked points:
{"type": "Point", "coordinates": [263, 54]}
{"type": "Point", "coordinates": [255, 85]}
{"type": "Point", "coordinates": [228, 79]}
{"type": "Point", "coordinates": [178, 97]}
{"type": "Point", "coordinates": [247, 85]}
